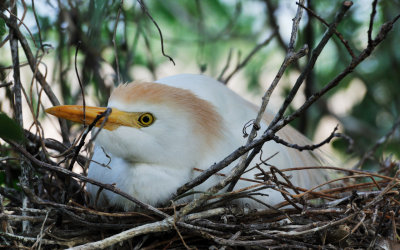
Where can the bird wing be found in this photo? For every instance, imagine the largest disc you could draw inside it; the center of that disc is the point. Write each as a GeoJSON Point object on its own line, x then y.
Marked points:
{"type": "Point", "coordinates": [237, 112]}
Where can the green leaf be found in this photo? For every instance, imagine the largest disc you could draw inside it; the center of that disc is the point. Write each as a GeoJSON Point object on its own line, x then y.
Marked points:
{"type": "Point", "coordinates": [10, 129]}
{"type": "Point", "coordinates": [2, 28]}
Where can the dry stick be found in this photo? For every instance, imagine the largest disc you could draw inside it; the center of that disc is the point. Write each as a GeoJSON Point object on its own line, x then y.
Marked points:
{"type": "Point", "coordinates": [78, 148]}
{"type": "Point", "coordinates": [114, 43]}
{"type": "Point", "coordinates": [56, 145]}
{"type": "Point", "coordinates": [68, 173]}
{"type": "Point", "coordinates": [38, 74]}
{"type": "Point", "coordinates": [37, 200]}
{"type": "Point", "coordinates": [308, 147]}
{"type": "Point", "coordinates": [337, 33]}
{"type": "Point", "coordinates": [297, 233]}
{"type": "Point", "coordinates": [353, 171]}
{"type": "Point", "coordinates": [17, 105]}
{"type": "Point", "coordinates": [37, 24]}
{"type": "Point", "coordinates": [310, 65]}
{"type": "Point", "coordinates": [158, 28]}
{"type": "Point", "coordinates": [20, 23]}
{"type": "Point", "coordinates": [159, 226]}
{"type": "Point", "coordinates": [225, 68]}
{"type": "Point", "coordinates": [381, 141]}
{"type": "Point", "coordinates": [80, 83]}
{"type": "Point", "coordinates": [272, 22]}
{"type": "Point", "coordinates": [285, 240]}
{"type": "Point", "coordinates": [290, 57]}
{"type": "Point", "coordinates": [385, 28]}
{"type": "Point", "coordinates": [371, 20]}
{"type": "Point", "coordinates": [5, 84]}
{"type": "Point", "coordinates": [247, 58]}
{"type": "Point", "coordinates": [10, 217]}
{"type": "Point", "coordinates": [24, 239]}
{"type": "Point", "coordinates": [245, 243]}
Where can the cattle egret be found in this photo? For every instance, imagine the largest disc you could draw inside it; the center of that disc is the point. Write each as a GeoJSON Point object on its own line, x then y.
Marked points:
{"type": "Point", "coordinates": [159, 132]}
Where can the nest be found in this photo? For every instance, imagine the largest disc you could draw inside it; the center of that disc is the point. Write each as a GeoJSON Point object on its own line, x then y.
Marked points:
{"type": "Point", "coordinates": [355, 215]}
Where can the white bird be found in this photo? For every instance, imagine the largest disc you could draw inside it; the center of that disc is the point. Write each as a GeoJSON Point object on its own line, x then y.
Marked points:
{"type": "Point", "coordinates": [159, 132]}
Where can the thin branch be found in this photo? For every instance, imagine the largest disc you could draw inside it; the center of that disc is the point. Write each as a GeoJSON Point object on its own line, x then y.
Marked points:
{"type": "Point", "coordinates": [337, 33]}
{"type": "Point", "coordinates": [290, 57]}
{"type": "Point", "coordinates": [378, 143]}
{"type": "Point", "coordinates": [159, 226]}
{"type": "Point", "coordinates": [66, 172]}
{"type": "Point", "coordinates": [371, 21]}
{"type": "Point", "coordinates": [225, 68]}
{"type": "Point", "coordinates": [310, 65]}
{"type": "Point", "coordinates": [385, 28]}
{"type": "Point", "coordinates": [308, 147]}
{"type": "Point", "coordinates": [25, 239]}
{"type": "Point", "coordinates": [5, 84]}
{"type": "Point", "coordinates": [37, 24]}
{"type": "Point", "coordinates": [114, 43]}
{"type": "Point", "coordinates": [104, 115]}
{"type": "Point", "coordinates": [158, 28]}
{"type": "Point", "coordinates": [38, 74]}
{"type": "Point", "coordinates": [248, 57]}
{"type": "Point", "coordinates": [80, 82]}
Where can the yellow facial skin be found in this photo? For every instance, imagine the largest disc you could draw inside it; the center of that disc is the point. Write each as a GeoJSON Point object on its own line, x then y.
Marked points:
{"type": "Point", "coordinates": [116, 119]}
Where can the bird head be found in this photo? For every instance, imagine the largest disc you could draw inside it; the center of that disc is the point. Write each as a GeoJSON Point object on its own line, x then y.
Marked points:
{"type": "Point", "coordinates": [152, 123]}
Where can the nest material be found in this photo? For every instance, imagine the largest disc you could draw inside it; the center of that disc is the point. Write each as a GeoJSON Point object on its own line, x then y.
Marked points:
{"type": "Point", "coordinates": [363, 215]}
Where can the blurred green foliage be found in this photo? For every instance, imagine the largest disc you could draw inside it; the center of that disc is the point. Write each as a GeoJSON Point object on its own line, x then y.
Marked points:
{"type": "Point", "coordinates": [199, 34]}
{"type": "Point", "coordinates": [10, 129]}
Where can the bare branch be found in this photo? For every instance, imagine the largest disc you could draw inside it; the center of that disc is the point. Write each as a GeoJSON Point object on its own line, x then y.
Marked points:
{"type": "Point", "coordinates": [85, 179]}
{"type": "Point", "coordinates": [158, 28]}
{"type": "Point", "coordinates": [38, 74]}
{"type": "Point", "coordinates": [378, 143]}
{"type": "Point", "coordinates": [308, 147]}
{"type": "Point", "coordinates": [337, 33]}
{"type": "Point", "coordinates": [113, 40]}
{"type": "Point", "coordinates": [247, 58]}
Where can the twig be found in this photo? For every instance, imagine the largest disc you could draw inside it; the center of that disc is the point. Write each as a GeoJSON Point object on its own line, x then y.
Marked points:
{"type": "Point", "coordinates": [78, 148]}
{"type": "Point", "coordinates": [11, 217]}
{"type": "Point", "coordinates": [337, 222]}
{"type": "Point", "coordinates": [290, 57]}
{"type": "Point", "coordinates": [38, 74]}
{"type": "Point", "coordinates": [247, 58]}
{"type": "Point", "coordinates": [5, 84]}
{"type": "Point", "coordinates": [225, 68]}
{"type": "Point", "coordinates": [160, 226]}
{"type": "Point", "coordinates": [310, 65]}
{"type": "Point", "coordinates": [237, 243]}
{"type": "Point", "coordinates": [285, 240]}
{"type": "Point", "coordinates": [371, 21]}
{"type": "Point", "coordinates": [17, 105]}
{"type": "Point", "coordinates": [114, 43]}
{"type": "Point", "coordinates": [158, 28]}
{"type": "Point", "coordinates": [308, 147]}
{"type": "Point", "coordinates": [80, 82]}
{"type": "Point", "coordinates": [25, 239]}
{"type": "Point", "coordinates": [378, 143]}
{"type": "Point", "coordinates": [37, 25]}
{"type": "Point", "coordinates": [337, 33]}
{"type": "Point", "coordinates": [385, 28]}
{"type": "Point", "coordinates": [85, 179]}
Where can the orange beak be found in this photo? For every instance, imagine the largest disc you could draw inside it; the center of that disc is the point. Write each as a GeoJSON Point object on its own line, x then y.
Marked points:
{"type": "Point", "coordinates": [116, 119]}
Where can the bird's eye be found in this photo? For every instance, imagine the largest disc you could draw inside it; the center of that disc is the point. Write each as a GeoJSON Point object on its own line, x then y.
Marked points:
{"type": "Point", "coordinates": [146, 119]}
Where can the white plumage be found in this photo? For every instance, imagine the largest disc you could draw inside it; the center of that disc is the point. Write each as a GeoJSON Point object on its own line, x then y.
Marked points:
{"type": "Point", "coordinates": [197, 122]}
